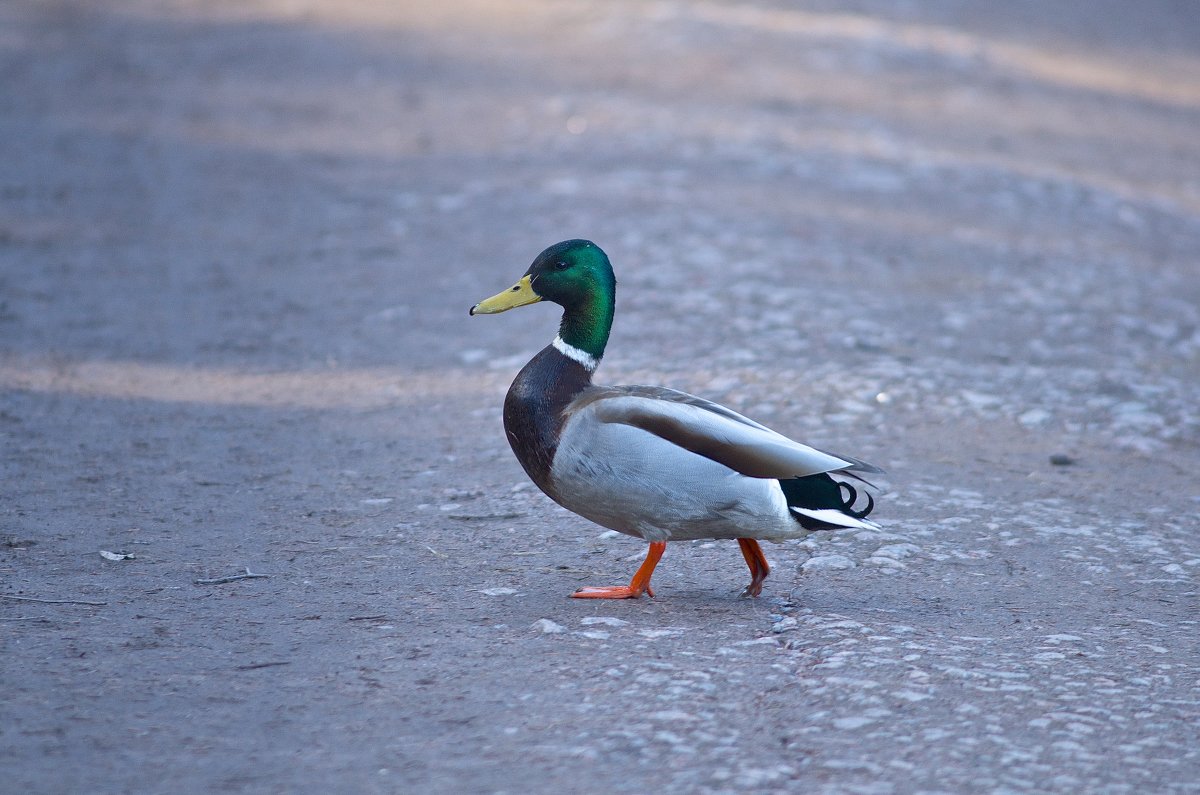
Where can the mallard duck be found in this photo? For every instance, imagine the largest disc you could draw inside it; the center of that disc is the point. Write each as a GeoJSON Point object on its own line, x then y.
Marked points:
{"type": "Point", "coordinates": [652, 462]}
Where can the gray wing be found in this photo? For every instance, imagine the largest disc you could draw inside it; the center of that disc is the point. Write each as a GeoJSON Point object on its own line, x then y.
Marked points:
{"type": "Point", "coordinates": [710, 430]}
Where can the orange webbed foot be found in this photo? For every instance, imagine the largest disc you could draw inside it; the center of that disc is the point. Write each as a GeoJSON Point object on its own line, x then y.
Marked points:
{"type": "Point", "coordinates": [640, 584]}
{"type": "Point", "coordinates": [757, 562]}
{"type": "Point", "coordinates": [612, 592]}
{"type": "Point", "coordinates": [754, 589]}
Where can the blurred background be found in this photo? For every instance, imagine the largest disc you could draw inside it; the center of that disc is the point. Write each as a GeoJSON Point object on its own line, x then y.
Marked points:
{"type": "Point", "coordinates": [238, 241]}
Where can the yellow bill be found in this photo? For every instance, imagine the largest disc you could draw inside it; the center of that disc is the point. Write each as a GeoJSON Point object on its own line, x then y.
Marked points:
{"type": "Point", "coordinates": [519, 294]}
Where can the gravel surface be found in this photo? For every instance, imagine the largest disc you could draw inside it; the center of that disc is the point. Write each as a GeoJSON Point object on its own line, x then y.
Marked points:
{"type": "Point", "coordinates": [238, 241]}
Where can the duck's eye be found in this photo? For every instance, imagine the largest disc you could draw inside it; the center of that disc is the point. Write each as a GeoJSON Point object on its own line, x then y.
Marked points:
{"type": "Point", "coordinates": [560, 266]}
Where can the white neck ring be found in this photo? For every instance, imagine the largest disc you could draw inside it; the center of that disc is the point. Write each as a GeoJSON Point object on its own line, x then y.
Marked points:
{"type": "Point", "coordinates": [589, 362]}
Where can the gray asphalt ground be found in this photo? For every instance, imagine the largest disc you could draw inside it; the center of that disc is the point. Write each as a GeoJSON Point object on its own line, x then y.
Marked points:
{"type": "Point", "coordinates": [238, 241]}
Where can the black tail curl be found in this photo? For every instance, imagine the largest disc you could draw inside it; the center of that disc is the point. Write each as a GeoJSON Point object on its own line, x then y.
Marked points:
{"type": "Point", "coordinates": [851, 498]}
{"type": "Point", "coordinates": [821, 492]}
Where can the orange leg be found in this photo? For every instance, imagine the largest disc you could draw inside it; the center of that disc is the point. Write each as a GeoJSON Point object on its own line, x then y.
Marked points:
{"type": "Point", "coordinates": [640, 583]}
{"type": "Point", "coordinates": [757, 562]}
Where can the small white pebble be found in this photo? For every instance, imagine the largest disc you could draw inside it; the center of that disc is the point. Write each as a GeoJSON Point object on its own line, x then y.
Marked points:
{"type": "Point", "coordinates": [827, 563]}
{"type": "Point", "coordinates": [767, 640]}
{"type": "Point", "coordinates": [606, 620]}
{"type": "Point", "coordinates": [1056, 639]}
{"type": "Point", "coordinates": [896, 551]}
{"type": "Point", "coordinates": [672, 716]}
{"type": "Point", "coordinates": [910, 695]}
{"type": "Point", "coordinates": [1034, 417]}
{"type": "Point", "coordinates": [784, 624]}
{"type": "Point", "coordinates": [657, 633]}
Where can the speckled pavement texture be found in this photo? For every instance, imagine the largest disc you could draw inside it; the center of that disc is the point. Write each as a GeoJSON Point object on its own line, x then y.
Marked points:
{"type": "Point", "coordinates": [238, 241]}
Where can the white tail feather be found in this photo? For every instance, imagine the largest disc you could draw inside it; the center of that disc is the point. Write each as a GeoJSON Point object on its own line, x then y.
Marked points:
{"type": "Point", "coordinates": [836, 517]}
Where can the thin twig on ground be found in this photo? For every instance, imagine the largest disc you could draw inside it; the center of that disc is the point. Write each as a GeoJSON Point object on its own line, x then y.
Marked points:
{"type": "Point", "coordinates": [52, 601]}
{"type": "Point", "coordinates": [249, 575]}
{"type": "Point", "coordinates": [25, 618]}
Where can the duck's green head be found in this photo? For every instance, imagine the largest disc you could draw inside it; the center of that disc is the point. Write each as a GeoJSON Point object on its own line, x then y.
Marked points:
{"type": "Point", "coordinates": [576, 275]}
